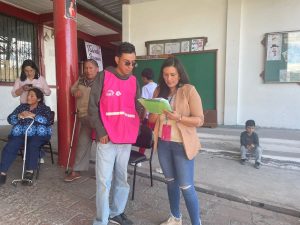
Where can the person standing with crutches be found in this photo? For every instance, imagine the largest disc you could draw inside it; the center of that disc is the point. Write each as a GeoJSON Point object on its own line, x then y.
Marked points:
{"type": "Point", "coordinates": [81, 91]}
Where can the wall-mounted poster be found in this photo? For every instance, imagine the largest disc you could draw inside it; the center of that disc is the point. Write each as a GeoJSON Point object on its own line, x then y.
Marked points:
{"type": "Point", "coordinates": [171, 48]}
{"type": "Point", "coordinates": [71, 9]}
{"type": "Point", "coordinates": [274, 47]}
{"type": "Point", "coordinates": [197, 45]}
{"type": "Point", "coordinates": [94, 52]}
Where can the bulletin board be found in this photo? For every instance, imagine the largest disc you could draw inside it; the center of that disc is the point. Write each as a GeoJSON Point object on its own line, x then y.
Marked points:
{"type": "Point", "coordinates": [282, 57]}
{"type": "Point", "coordinates": [201, 68]}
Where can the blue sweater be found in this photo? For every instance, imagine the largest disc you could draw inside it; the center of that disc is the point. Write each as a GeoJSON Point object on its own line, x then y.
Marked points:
{"type": "Point", "coordinates": [41, 125]}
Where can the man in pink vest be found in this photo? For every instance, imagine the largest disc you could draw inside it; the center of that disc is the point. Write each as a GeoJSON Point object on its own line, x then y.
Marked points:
{"type": "Point", "coordinates": [113, 112]}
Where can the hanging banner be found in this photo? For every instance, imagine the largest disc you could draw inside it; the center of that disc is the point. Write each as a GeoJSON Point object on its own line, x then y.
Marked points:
{"type": "Point", "coordinates": [94, 52]}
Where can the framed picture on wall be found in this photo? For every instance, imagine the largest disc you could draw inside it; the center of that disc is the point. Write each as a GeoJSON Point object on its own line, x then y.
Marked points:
{"type": "Point", "coordinates": [185, 46]}
{"type": "Point", "coordinates": [197, 45]}
{"type": "Point", "coordinates": [156, 49]}
{"type": "Point", "coordinates": [170, 46]}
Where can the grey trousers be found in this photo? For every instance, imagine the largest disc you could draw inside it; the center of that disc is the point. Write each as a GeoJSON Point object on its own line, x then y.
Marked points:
{"type": "Point", "coordinates": [257, 153]}
{"type": "Point", "coordinates": [84, 144]}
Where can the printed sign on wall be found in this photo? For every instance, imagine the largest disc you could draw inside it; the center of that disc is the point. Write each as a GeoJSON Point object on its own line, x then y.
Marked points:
{"type": "Point", "coordinates": [94, 52]}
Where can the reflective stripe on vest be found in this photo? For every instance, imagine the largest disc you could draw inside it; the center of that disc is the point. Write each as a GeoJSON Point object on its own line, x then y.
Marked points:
{"type": "Point", "coordinates": [119, 113]}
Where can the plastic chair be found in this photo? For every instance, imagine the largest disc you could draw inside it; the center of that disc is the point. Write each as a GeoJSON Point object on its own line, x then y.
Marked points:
{"type": "Point", "coordinates": [47, 145]}
{"type": "Point", "coordinates": [144, 140]}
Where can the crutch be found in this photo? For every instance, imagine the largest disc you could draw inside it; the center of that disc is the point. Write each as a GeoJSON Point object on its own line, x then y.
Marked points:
{"type": "Point", "coordinates": [24, 180]}
{"type": "Point", "coordinates": [71, 144]}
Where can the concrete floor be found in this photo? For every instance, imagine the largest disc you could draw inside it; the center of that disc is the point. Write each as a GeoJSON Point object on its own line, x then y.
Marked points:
{"type": "Point", "coordinates": [236, 194]}
{"type": "Point", "coordinates": [52, 201]}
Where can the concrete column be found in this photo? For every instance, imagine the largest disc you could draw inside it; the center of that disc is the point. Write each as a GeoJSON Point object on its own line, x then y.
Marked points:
{"type": "Point", "coordinates": [66, 58]}
{"type": "Point", "coordinates": [126, 22]}
{"type": "Point", "coordinates": [232, 66]}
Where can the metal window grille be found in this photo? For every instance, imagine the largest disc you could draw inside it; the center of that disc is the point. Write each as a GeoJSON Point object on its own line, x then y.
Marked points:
{"type": "Point", "coordinates": [17, 42]}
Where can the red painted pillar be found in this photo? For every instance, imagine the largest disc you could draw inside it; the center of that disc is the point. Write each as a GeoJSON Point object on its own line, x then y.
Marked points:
{"type": "Point", "coordinates": [66, 59]}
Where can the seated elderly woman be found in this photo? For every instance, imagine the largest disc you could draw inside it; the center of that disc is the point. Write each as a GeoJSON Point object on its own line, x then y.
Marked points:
{"type": "Point", "coordinates": [38, 134]}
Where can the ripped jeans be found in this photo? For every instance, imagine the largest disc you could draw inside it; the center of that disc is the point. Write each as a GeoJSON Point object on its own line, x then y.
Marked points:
{"type": "Point", "coordinates": [179, 175]}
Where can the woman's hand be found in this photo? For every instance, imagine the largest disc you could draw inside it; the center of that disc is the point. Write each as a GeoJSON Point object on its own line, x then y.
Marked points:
{"type": "Point", "coordinates": [27, 87]}
{"type": "Point", "coordinates": [173, 115]}
{"type": "Point", "coordinates": [19, 91]}
{"type": "Point", "coordinates": [152, 118]}
{"type": "Point", "coordinates": [26, 114]}
{"type": "Point", "coordinates": [190, 121]}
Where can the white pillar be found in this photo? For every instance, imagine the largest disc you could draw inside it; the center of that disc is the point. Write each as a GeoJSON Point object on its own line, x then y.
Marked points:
{"type": "Point", "coordinates": [232, 66]}
{"type": "Point", "coordinates": [126, 22]}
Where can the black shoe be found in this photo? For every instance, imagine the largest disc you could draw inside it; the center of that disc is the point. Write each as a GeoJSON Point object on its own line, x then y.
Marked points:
{"type": "Point", "coordinates": [28, 175]}
{"type": "Point", "coordinates": [257, 165]}
{"type": "Point", "coordinates": [243, 161]}
{"type": "Point", "coordinates": [2, 179]}
{"type": "Point", "coordinates": [121, 220]}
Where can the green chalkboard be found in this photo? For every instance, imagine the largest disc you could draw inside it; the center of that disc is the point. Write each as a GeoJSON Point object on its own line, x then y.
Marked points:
{"type": "Point", "coordinates": [282, 57]}
{"type": "Point", "coordinates": [201, 68]}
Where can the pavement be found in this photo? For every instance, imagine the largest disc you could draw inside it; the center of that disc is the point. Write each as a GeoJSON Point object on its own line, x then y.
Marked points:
{"type": "Point", "coordinates": [229, 193]}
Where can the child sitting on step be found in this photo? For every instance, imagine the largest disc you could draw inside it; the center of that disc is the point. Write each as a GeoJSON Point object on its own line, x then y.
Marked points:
{"type": "Point", "coordinates": [250, 144]}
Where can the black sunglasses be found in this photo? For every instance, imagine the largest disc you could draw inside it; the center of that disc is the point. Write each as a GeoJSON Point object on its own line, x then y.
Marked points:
{"type": "Point", "coordinates": [127, 63]}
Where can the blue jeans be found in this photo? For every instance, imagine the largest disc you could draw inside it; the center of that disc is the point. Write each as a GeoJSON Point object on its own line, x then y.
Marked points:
{"type": "Point", "coordinates": [111, 172]}
{"type": "Point", "coordinates": [179, 175]}
{"type": "Point", "coordinates": [11, 149]}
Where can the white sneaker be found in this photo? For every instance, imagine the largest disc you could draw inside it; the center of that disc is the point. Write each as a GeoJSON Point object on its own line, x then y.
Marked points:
{"type": "Point", "coordinates": [172, 221]}
{"type": "Point", "coordinates": [42, 161]}
{"type": "Point", "coordinates": [138, 165]}
{"type": "Point", "coordinates": [158, 170]}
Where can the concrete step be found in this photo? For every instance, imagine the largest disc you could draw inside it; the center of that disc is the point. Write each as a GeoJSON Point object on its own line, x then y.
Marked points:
{"type": "Point", "coordinates": [282, 152]}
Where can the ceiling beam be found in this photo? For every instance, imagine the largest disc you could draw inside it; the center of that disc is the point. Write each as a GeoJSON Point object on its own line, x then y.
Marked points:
{"type": "Point", "coordinates": [107, 45]}
{"type": "Point", "coordinates": [92, 39]}
{"type": "Point", "coordinates": [86, 37]}
{"type": "Point", "coordinates": [109, 38]}
{"type": "Point", "coordinates": [19, 13]}
{"type": "Point", "coordinates": [46, 18]}
{"type": "Point", "coordinates": [90, 15]}
{"type": "Point", "coordinates": [105, 40]}
{"type": "Point", "coordinates": [100, 12]}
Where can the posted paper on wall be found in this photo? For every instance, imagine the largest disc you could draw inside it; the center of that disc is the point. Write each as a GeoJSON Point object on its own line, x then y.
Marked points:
{"type": "Point", "coordinates": [274, 47]}
{"type": "Point", "coordinates": [94, 52]}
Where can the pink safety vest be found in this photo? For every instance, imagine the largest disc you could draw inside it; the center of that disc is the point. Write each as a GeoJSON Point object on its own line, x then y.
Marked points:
{"type": "Point", "coordinates": [117, 109]}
